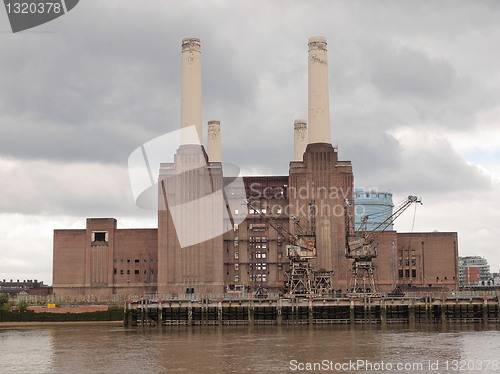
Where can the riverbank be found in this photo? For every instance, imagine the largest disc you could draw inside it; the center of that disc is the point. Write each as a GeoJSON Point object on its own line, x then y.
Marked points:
{"type": "Point", "coordinates": [79, 323]}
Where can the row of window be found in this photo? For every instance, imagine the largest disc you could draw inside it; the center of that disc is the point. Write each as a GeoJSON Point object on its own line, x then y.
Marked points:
{"type": "Point", "coordinates": [407, 262]}
{"type": "Point", "coordinates": [407, 273]}
{"type": "Point", "coordinates": [258, 277]}
{"type": "Point", "coordinates": [136, 260]}
{"type": "Point", "coordinates": [115, 271]}
{"type": "Point", "coordinates": [257, 254]}
{"type": "Point", "coordinates": [368, 195]}
{"type": "Point", "coordinates": [258, 266]}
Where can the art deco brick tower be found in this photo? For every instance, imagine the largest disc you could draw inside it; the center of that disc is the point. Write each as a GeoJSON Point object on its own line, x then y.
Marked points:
{"type": "Point", "coordinates": [320, 176]}
{"type": "Point", "coordinates": [190, 200]}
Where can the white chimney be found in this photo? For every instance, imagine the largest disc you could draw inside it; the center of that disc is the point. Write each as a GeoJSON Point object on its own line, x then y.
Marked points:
{"type": "Point", "coordinates": [191, 92]}
{"type": "Point", "coordinates": [319, 107]}
{"type": "Point", "coordinates": [213, 141]}
{"type": "Point", "coordinates": [299, 139]}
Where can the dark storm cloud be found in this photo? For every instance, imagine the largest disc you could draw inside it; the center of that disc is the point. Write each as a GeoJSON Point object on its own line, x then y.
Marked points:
{"type": "Point", "coordinates": [96, 92]}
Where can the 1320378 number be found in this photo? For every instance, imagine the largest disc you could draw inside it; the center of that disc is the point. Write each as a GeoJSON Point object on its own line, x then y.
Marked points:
{"type": "Point", "coordinates": [25, 8]}
{"type": "Point", "coordinates": [462, 365]}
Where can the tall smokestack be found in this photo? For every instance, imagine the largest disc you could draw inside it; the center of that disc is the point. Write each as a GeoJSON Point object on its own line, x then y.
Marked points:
{"type": "Point", "coordinates": [213, 141]}
{"type": "Point", "coordinates": [299, 139]}
{"type": "Point", "coordinates": [191, 92]}
{"type": "Point", "coordinates": [319, 106]}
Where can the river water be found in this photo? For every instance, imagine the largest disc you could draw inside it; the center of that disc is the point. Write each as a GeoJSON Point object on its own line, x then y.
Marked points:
{"type": "Point", "coordinates": [68, 348]}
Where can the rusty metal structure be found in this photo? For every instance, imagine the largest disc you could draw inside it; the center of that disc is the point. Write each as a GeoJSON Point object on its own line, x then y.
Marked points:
{"type": "Point", "coordinates": [361, 248]}
{"type": "Point", "coordinates": [302, 278]}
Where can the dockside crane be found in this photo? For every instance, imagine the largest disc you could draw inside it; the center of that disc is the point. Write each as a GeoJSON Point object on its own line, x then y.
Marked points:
{"type": "Point", "coordinates": [302, 279]}
{"type": "Point", "coordinates": [360, 248]}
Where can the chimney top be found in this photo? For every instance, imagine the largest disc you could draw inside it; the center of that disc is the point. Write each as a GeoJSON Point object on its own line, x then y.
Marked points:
{"type": "Point", "coordinates": [317, 42]}
{"type": "Point", "coordinates": [317, 39]}
{"type": "Point", "coordinates": [191, 44]}
{"type": "Point", "coordinates": [300, 124]}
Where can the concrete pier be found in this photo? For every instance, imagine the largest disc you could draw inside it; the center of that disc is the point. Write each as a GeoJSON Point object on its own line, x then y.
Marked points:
{"type": "Point", "coordinates": [311, 311]}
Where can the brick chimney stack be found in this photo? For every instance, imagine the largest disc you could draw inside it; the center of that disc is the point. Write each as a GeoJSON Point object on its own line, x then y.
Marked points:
{"type": "Point", "coordinates": [191, 92]}
{"type": "Point", "coordinates": [318, 95]}
{"type": "Point", "coordinates": [299, 139]}
{"type": "Point", "coordinates": [213, 141]}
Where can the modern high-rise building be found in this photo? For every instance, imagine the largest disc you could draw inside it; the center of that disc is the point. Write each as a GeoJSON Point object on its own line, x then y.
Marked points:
{"type": "Point", "coordinates": [474, 271]}
{"type": "Point", "coordinates": [209, 241]}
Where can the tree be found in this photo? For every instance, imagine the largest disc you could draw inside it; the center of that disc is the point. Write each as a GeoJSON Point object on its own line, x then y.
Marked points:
{"type": "Point", "coordinates": [6, 307]}
{"type": "Point", "coordinates": [4, 298]}
{"type": "Point", "coordinates": [23, 306]}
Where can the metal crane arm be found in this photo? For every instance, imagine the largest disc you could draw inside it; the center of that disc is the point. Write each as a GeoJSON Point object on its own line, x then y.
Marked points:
{"type": "Point", "coordinates": [387, 222]}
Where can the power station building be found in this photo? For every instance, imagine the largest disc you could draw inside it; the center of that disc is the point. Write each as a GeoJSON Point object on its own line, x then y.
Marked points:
{"type": "Point", "coordinates": [208, 241]}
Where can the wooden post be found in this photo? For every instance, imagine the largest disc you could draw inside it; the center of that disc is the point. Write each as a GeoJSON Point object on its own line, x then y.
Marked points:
{"type": "Point", "coordinates": [251, 312]}
{"type": "Point", "coordinates": [279, 317]}
{"type": "Point", "coordinates": [142, 312]}
{"type": "Point", "coordinates": [485, 310]}
{"type": "Point", "coordinates": [311, 312]}
{"type": "Point", "coordinates": [190, 314]}
{"type": "Point", "coordinates": [160, 314]}
{"type": "Point", "coordinates": [219, 312]}
{"type": "Point", "coordinates": [351, 311]}
{"type": "Point", "coordinates": [383, 315]}
{"type": "Point", "coordinates": [411, 314]}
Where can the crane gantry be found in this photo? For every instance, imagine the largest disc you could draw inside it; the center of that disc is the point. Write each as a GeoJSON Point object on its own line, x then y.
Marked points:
{"type": "Point", "coordinates": [360, 248]}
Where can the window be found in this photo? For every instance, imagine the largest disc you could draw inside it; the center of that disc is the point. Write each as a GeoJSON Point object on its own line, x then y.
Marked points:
{"type": "Point", "coordinates": [407, 262]}
{"type": "Point", "coordinates": [236, 255]}
{"type": "Point", "coordinates": [264, 277]}
{"type": "Point", "coordinates": [413, 273]}
{"type": "Point", "coordinates": [152, 271]}
{"type": "Point", "coordinates": [136, 272]}
{"type": "Point", "coordinates": [152, 260]}
{"type": "Point", "coordinates": [115, 261]}
{"type": "Point", "coordinates": [407, 273]}
{"type": "Point", "coordinates": [145, 271]}
{"type": "Point", "coordinates": [280, 255]}
{"type": "Point", "coordinates": [136, 260]}
{"type": "Point", "coordinates": [236, 211]}
{"type": "Point", "coordinates": [401, 273]}
{"type": "Point", "coordinates": [121, 272]}
{"type": "Point", "coordinates": [100, 236]}
{"type": "Point", "coordinates": [236, 267]}
{"type": "Point", "coordinates": [236, 278]}
{"type": "Point", "coordinates": [280, 266]}
{"type": "Point", "coordinates": [413, 262]}
{"type": "Point", "coordinates": [145, 260]}
{"type": "Point", "coordinates": [114, 271]}
{"type": "Point", "coordinates": [128, 271]}
{"type": "Point", "coordinates": [128, 260]}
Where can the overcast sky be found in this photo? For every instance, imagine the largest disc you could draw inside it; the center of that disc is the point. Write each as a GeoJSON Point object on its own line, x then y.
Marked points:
{"type": "Point", "coordinates": [414, 104]}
